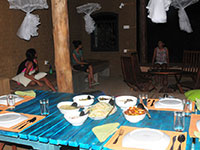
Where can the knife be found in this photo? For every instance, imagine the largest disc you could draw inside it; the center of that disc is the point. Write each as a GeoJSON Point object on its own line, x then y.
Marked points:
{"type": "Point", "coordinates": [20, 126]}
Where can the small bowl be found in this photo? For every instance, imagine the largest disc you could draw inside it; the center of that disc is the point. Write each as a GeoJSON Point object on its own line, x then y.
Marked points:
{"type": "Point", "coordinates": [121, 99]}
{"type": "Point", "coordinates": [107, 98]}
{"type": "Point", "coordinates": [75, 119]}
{"type": "Point", "coordinates": [83, 103]}
{"type": "Point", "coordinates": [65, 111]}
{"type": "Point", "coordinates": [134, 119]}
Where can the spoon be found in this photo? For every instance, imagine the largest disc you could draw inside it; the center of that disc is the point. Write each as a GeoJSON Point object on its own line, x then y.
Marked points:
{"type": "Point", "coordinates": [83, 113]}
{"type": "Point", "coordinates": [89, 97]}
{"type": "Point", "coordinates": [140, 105]}
{"type": "Point", "coordinates": [74, 104]}
{"type": "Point", "coordinates": [181, 139]}
{"type": "Point", "coordinates": [152, 103]}
{"type": "Point", "coordinates": [111, 102]}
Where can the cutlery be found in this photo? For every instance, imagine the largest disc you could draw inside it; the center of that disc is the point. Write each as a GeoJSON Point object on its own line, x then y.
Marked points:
{"type": "Point", "coordinates": [112, 103]}
{"type": "Point", "coordinates": [29, 121]}
{"type": "Point", "coordinates": [74, 104]}
{"type": "Point", "coordinates": [128, 100]}
{"type": "Point", "coordinates": [181, 139]}
{"type": "Point", "coordinates": [173, 141]}
{"type": "Point", "coordinates": [140, 105]}
{"type": "Point", "coordinates": [84, 113]}
{"type": "Point", "coordinates": [121, 132]}
{"type": "Point", "coordinates": [152, 102]}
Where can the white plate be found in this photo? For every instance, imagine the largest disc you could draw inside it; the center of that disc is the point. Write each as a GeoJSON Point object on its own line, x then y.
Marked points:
{"type": "Point", "coordinates": [10, 119]}
{"type": "Point", "coordinates": [100, 118]}
{"type": "Point", "coordinates": [198, 125]}
{"type": "Point", "coordinates": [120, 101]}
{"type": "Point", "coordinates": [84, 102]}
{"type": "Point", "coordinates": [3, 99]}
{"type": "Point", "coordinates": [172, 103]}
{"type": "Point", "coordinates": [108, 98]}
{"type": "Point", "coordinates": [150, 139]}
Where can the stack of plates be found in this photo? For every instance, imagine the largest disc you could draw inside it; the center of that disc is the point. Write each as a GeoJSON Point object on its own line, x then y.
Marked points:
{"type": "Point", "coordinates": [171, 103]}
{"type": "Point", "coordinates": [150, 139]}
{"type": "Point", "coordinates": [8, 120]}
{"type": "Point", "coordinates": [3, 99]}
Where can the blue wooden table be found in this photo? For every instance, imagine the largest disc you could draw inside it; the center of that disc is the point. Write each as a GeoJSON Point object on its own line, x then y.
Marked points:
{"type": "Point", "coordinates": [54, 131]}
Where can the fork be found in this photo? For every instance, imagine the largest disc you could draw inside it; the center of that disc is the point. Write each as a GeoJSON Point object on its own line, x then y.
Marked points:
{"type": "Point", "coordinates": [121, 132]}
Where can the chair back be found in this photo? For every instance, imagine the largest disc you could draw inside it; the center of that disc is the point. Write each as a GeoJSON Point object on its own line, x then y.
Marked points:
{"type": "Point", "coordinates": [130, 68]}
{"type": "Point", "coordinates": [191, 61]}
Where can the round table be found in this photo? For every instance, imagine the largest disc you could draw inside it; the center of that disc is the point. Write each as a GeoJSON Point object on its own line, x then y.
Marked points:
{"type": "Point", "coordinates": [166, 72]}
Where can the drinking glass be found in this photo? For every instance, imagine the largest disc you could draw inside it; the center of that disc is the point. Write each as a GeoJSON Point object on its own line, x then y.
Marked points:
{"type": "Point", "coordinates": [44, 107]}
{"type": "Point", "coordinates": [11, 101]}
{"type": "Point", "coordinates": [143, 98]}
{"type": "Point", "coordinates": [179, 121]}
{"type": "Point", "coordinates": [187, 107]}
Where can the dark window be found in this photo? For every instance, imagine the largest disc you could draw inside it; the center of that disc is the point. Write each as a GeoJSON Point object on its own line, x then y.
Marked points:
{"type": "Point", "coordinates": [105, 36]}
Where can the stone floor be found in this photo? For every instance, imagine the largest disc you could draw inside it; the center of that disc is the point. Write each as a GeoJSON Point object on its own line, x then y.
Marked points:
{"type": "Point", "coordinates": [110, 86]}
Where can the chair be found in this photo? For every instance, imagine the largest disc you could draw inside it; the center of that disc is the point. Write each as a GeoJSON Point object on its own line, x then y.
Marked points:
{"type": "Point", "coordinates": [193, 84]}
{"type": "Point", "coordinates": [132, 74]}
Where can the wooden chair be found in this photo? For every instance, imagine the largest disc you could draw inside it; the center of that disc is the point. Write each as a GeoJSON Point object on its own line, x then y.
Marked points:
{"type": "Point", "coordinates": [193, 84]}
{"type": "Point", "coordinates": [132, 74]}
{"type": "Point", "coordinates": [191, 63]}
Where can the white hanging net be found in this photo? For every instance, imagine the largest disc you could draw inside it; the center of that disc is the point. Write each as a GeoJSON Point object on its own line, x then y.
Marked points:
{"type": "Point", "coordinates": [184, 21]}
{"type": "Point", "coordinates": [29, 25]}
{"type": "Point", "coordinates": [157, 10]}
{"type": "Point", "coordinates": [88, 9]}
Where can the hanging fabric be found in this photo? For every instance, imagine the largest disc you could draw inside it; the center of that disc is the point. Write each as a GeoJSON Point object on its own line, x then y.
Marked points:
{"type": "Point", "coordinates": [157, 10]}
{"type": "Point", "coordinates": [29, 25]}
{"type": "Point", "coordinates": [184, 21]}
{"type": "Point", "coordinates": [88, 9]}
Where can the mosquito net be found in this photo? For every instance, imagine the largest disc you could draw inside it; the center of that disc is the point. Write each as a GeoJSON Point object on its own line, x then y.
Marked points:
{"type": "Point", "coordinates": [28, 27]}
{"type": "Point", "coordinates": [88, 9]}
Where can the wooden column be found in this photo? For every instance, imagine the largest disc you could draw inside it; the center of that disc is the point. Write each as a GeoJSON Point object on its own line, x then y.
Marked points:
{"type": "Point", "coordinates": [142, 31]}
{"type": "Point", "coordinates": [61, 45]}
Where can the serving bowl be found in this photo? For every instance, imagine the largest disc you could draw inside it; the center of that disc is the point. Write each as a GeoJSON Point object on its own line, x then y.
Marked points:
{"type": "Point", "coordinates": [134, 114]}
{"type": "Point", "coordinates": [67, 111]}
{"type": "Point", "coordinates": [126, 101]}
{"type": "Point", "coordinates": [104, 98]}
{"type": "Point", "coordinates": [75, 119]}
{"type": "Point", "coordinates": [82, 100]}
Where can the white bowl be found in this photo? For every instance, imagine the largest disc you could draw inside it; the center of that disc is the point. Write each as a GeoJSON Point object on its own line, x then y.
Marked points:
{"type": "Point", "coordinates": [134, 118]}
{"type": "Point", "coordinates": [108, 98]}
{"type": "Point", "coordinates": [64, 111]}
{"type": "Point", "coordinates": [84, 102]}
{"type": "Point", "coordinates": [75, 119]}
{"type": "Point", "coordinates": [121, 99]}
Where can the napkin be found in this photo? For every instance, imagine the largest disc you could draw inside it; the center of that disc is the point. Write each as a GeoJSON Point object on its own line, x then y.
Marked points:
{"type": "Point", "coordinates": [104, 131]}
{"type": "Point", "coordinates": [26, 93]}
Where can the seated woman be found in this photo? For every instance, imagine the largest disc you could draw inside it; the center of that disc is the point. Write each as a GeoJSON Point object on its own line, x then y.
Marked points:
{"type": "Point", "coordinates": [160, 56]}
{"type": "Point", "coordinates": [28, 72]}
{"type": "Point", "coordinates": [160, 60]}
{"type": "Point", "coordinates": [79, 64]}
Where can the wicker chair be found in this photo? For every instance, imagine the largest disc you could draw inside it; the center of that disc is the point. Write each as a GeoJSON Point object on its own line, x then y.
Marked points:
{"type": "Point", "coordinates": [133, 76]}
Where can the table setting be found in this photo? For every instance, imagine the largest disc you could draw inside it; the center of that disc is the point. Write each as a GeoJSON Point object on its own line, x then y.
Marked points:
{"type": "Point", "coordinates": [66, 119]}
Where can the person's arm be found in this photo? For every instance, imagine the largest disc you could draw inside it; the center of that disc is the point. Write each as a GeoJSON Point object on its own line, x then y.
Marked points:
{"type": "Point", "coordinates": [77, 61]}
{"type": "Point", "coordinates": [167, 53]}
{"type": "Point", "coordinates": [31, 77]}
{"type": "Point", "coordinates": [154, 56]}
{"type": "Point", "coordinates": [37, 67]}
